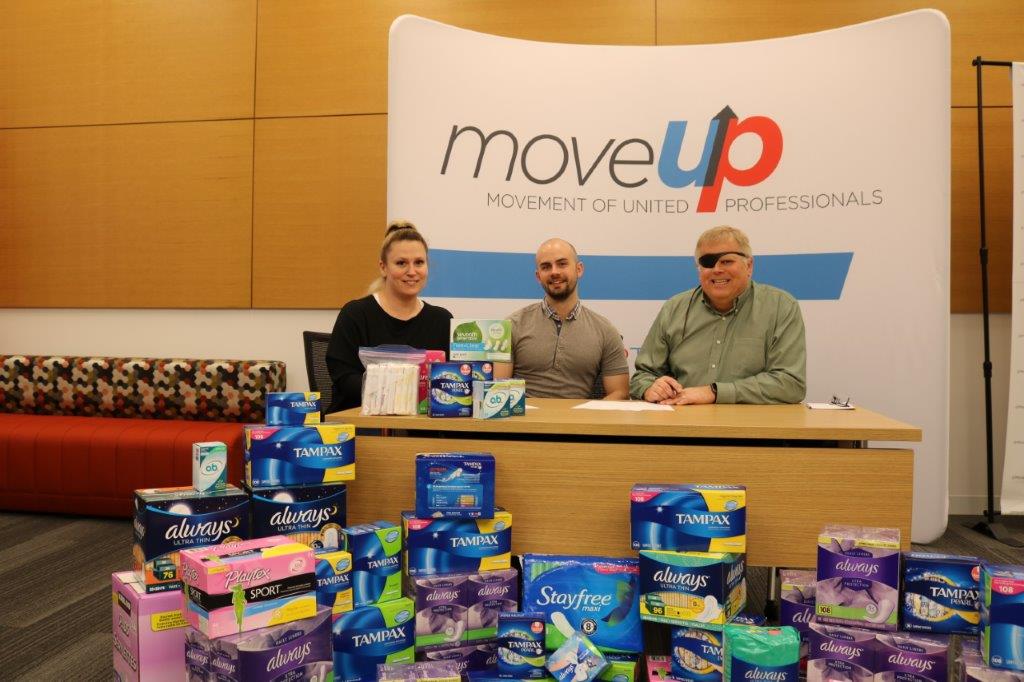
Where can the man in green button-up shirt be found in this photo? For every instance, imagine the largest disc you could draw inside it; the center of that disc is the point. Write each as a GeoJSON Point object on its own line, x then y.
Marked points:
{"type": "Point", "coordinates": [730, 340]}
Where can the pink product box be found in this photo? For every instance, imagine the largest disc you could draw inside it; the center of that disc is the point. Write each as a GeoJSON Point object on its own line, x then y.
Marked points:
{"type": "Point", "coordinates": [149, 632]}
{"type": "Point", "coordinates": [659, 668]}
{"type": "Point", "coordinates": [248, 585]}
{"type": "Point", "coordinates": [423, 395]}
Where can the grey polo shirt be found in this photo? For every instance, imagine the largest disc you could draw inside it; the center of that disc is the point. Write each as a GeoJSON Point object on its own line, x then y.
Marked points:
{"type": "Point", "coordinates": [563, 358]}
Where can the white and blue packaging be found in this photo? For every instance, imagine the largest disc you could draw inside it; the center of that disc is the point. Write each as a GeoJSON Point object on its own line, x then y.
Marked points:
{"type": "Point", "coordinates": [521, 645]}
{"type": "Point", "coordinates": [209, 466]}
{"type": "Point", "coordinates": [456, 485]}
{"type": "Point", "coordinates": [577, 659]}
{"type": "Point", "coordinates": [491, 400]}
{"type": "Point", "coordinates": [293, 409]}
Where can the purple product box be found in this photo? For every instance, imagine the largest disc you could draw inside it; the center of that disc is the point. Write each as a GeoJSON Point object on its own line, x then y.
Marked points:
{"type": "Point", "coordinates": [482, 655]}
{"type": "Point", "coordinates": [905, 656]}
{"type": "Point", "coordinates": [440, 610]}
{"type": "Point", "coordinates": [796, 606]}
{"type": "Point", "coordinates": [197, 656]}
{"type": "Point", "coordinates": [299, 650]}
{"type": "Point", "coordinates": [488, 593]}
{"type": "Point", "coordinates": [858, 577]}
{"type": "Point", "coordinates": [838, 653]}
{"type": "Point", "coordinates": [149, 632]}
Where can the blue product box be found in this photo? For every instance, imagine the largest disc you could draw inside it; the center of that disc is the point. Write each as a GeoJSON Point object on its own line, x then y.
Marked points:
{"type": "Point", "coordinates": [376, 550]}
{"type": "Point", "coordinates": [436, 546]}
{"type": "Point", "coordinates": [299, 455]}
{"type": "Point", "coordinates": [293, 409]}
{"type": "Point", "coordinates": [454, 485]}
{"type": "Point", "coordinates": [940, 593]}
{"type": "Point", "coordinates": [696, 655]}
{"type": "Point", "coordinates": [689, 518]}
{"type": "Point", "coordinates": [333, 569]}
{"type": "Point", "coordinates": [369, 636]}
{"type": "Point", "coordinates": [521, 645]}
{"type": "Point", "coordinates": [599, 596]}
{"type": "Point", "coordinates": [1002, 616]}
{"type": "Point", "coordinates": [313, 515]}
{"type": "Point", "coordinates": [451, 387]}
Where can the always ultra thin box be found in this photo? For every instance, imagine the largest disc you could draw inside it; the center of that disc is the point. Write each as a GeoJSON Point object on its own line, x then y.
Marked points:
{"type": "Point", "coordinates": [489, 340]}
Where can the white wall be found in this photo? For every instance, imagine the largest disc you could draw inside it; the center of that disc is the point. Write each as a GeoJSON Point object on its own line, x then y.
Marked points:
{"type": "Point", "coordinates": [277, 335]}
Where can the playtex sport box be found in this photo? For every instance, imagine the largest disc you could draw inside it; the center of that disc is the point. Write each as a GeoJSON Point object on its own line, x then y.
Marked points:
{"type": "Point", "coordinates": [168, 520]}
{"type": "Point", "coordinates": [689, 518]}
{"type": "Point", "coordinates": [489, 340]}
{"type": "Point", "coordinates": [454, 485]}
{"type": "Point", "coordinates": [597, 595]}
{"type": "Point", "coordinates": [858, 577]}
{"type": "Point", "coordinates": [248, 585]}
{"type": "Point", "coordinates": [437, 546]}
{"type": "Point", "coordinates": [149, 632]}
{"type": "Point", "coordinates": [1002, 616]}
{"type": "Point", "coordinates": [451, 387]}
{"type": "Point", "coordinates": [940, 593]}
{"type": "Point", "coordinates": [293, 409]}
{"type": "Point", "coordinates": [299, 455]}
{"type": "Point", "coordinates": [313, 515]}
{"type": "Point", "coordinates": [697, 589]}
{"type": "Point", "coordinates": [371, 635]}
{"type": "Point", "coordinates": [376, 550]}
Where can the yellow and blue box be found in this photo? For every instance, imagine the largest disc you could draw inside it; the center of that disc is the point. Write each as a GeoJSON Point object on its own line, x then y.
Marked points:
{"type": "Point", "coordinates": [689, 518]}
{"type": "Point", "coordinates": [439, 546]}
{"type": "Point", "coordinates": [299, 455]}
{"type": "Point", "coordinates": [293, 409]}
{"type": "Point", "coordinates": [333, 580]}
{"type": "Point", "coordinates": [692, 589]}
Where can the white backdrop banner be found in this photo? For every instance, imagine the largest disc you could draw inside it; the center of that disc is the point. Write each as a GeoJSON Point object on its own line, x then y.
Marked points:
{"type": "Point", "coordinates": [831, 150]}
{"type": "Point", "coordinates": [1011, 499]}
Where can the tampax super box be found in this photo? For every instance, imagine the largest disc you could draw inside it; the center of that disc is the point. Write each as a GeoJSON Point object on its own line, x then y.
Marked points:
{"type": "Point", "coordinates": [299, 455]}
{"type": "Point", "coordinates": [1002, 616]}
{"type": "Point", "coordinates": [293, 409]}
{"type": "Point", "coordinates": [489, 340]}
{"type": "Point", "coordinates": [248, 585]}
{"type": "Point", "coordinates": [312, 514]}
{"type": "Point", "coordinates": [689, 518]}
{"type": "Point", "coordinates": [435, 546]}
{"type": "Point", "coordinates": [451, 387]}
{"type": "Point", "coordinates": [376, 550]}
{"type": "Point", "coordinates": [149, 632]}
{"type": "Point", "coordinates": [334, 580]}
{"type": "Point", "coordinates": [371, 635]}
{"type": "Point", "coordinates": [454, 485]}
{"type": "Point", "coordinates": [940, 593]}
{"type": "Point", "coordinates": [168, 520]}
{"type": "Point", "coordinates": [698, 589]}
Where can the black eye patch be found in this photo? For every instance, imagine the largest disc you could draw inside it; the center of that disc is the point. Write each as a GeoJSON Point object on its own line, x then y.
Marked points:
{"type": "Point", "coordinates": [708, 260]}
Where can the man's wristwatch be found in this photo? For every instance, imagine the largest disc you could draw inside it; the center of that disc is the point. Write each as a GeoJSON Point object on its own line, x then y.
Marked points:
{"type": "Point", "coordinates": [714, 389]}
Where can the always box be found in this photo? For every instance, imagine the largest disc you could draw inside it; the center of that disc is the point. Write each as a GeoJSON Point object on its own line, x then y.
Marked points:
{"type": "Point", "coordinates": [299, 455]}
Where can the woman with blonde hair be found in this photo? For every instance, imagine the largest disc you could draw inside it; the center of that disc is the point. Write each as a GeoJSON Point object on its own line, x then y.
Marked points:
{"type": "Point", "coordinates": [392, 313]}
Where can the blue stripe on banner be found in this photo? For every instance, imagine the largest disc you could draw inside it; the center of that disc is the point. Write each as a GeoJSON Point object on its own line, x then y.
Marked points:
{"type": "Point", "coordinates": [486, 274]}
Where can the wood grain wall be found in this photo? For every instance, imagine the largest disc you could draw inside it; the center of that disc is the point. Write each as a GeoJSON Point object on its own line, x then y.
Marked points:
{"type": "Point", "coordinates": [197, 154]}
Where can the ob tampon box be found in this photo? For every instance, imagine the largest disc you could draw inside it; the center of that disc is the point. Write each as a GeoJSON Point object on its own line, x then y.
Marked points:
{"type": "Point", "coordinates": [209, 466]}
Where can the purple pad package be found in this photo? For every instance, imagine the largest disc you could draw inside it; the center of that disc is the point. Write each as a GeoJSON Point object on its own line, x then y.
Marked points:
{"type": "Point", "coordinates": [440, 610]}
{"type": "Point", "coordinates": [299, 650]}
{"type": "Point", "coordinates": [858, 577]}
{"type": "Point", "coordinates": [914, 657]}
{"type": "Point", "coordinates": [480, 655]}
{"type": "Point", "coordinates": [838, 653]}
{"type": "Point", "coordinates": [488, 593]}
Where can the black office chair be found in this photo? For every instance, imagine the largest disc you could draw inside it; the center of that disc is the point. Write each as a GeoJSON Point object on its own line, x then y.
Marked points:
{"type": "Point", "coordinates": [315, 344]}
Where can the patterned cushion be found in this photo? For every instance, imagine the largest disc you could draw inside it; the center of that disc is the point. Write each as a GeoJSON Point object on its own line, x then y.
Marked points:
{"type": "Point", "coordinates": [140, 388]}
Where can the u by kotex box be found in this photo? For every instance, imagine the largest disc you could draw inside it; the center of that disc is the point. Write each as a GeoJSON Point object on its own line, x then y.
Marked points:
{"type": "Point", "coordinates": [598, 596]}
{"type": "Point", "coordinates": [168, 520]}
{"type": "Point", "coordinates": [333, 569]}
{"type": "Point", "coordinates": [248, 585]}
{"type": "Point", "coordinates": [696, 589]}
{"type": "Point", "coordinates": [689, 518]}
{"type": "Point", "coordinates": [376, 550]}
{"type": "Point", "coordinates": [311, 514]}
{"type": "Point", "coordinates": [299, 455]}
{"type": "Point", "coordinates": [436, 546]}
{"type": "Point", "coordinates": [299, 650]}
{"type": "Point", "coordinates": [293, 409]}
{"type": "Point", "coordinates": [371, 635]}
{"type": "Point", "coordinates": [149, 632]}
{"type": "Point", "coordinates": [696, 655]}
{"type": "Point", "coordinates": [457, 485]}
{"type": "Point", "coordinates": [1002, 616]}
{"type": "Point", "coordinates": [940, 593]}
{"type": "Point", "coordinates": [858, 577]}
{"type": "Point", "coordinates": [489, 340]}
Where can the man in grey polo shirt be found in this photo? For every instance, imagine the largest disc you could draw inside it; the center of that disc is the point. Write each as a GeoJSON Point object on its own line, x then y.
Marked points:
{"type": "Point", "coordinates": [730, 340]}
{"type": "Point", "coordinates": [559, 346]}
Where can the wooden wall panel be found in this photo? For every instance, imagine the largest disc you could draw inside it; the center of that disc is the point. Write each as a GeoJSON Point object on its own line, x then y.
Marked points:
{"type": "Point", "coordinates": [330, 56]}
{"type": "Point", "coordinates": [319, 211]}
{"type": "Point", "coordinates": [149, 216]}
{"type": "Point", "coordinates": [964, 240]}
{"type": "Point", "coordinates": [94, 61]}
{"type": "Point", "coordinates": [991, 28]}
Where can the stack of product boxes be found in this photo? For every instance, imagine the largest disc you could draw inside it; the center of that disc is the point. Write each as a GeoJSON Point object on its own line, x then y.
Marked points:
{"type": "Point", "coordinates": [465, 387]}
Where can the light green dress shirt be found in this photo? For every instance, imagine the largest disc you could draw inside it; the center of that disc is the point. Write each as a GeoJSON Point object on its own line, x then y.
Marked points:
{"type": "Point", "coordinates": [755, 352]}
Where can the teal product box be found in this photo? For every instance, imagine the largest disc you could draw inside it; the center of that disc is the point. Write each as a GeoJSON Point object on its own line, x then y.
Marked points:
{"type": "Point", "coordinates": [333, 570]}
{"type": "Point", "coordinates": [376, 550]}
{"type": "Point", "coordinates": [293, 409]}
{"type": "Point", "coordinates": [689, 518]}
{"type": "Point", "coordinates": [696, 655]}
{"type": "Point", "coordinates": [370, 636]}
{"type": "Point", "coordinates": [755, 653]}
{"type": "Point", "coordinates": [598, 596]}
{"type": "Point", "coordinates": [1002, 616]}
{"type": "Point", "coordinates": [440, 546]}
{"type": "Point", "coordinates": [299, 455]}
{"type": "Point", "coordinates": [491, 400]}
{"type": "Point", "coordinates": [489, 340]}
{"type": "Point", "coordinates": [621, 668]}
{"type": "Point", "coordinates": [517, 397]}
{"type": "Point", "coordinates": [209, 466]}
{"type": "Point", "coordinates": [521, 645]}
{"type": "Point", "coordinates": [940, 593]}
{"type": "Point", "coordinates": [456, 485]}
{"type": "Point", "coordinates": [695, 589]}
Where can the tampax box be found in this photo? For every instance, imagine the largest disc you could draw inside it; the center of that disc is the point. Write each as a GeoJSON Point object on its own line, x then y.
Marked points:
{"type": "Point", "coordinates": [376, 550]}
{"type": "Point", "coordinates": [432, 356]}
{"type": "Point", "coordinates": [436, 546]}
{"type": "Point", "coordinates": [209, 466]}
{"type": "Point", "coordinates": [1002, 616]}
{"type": "Point", "coordinates": [451, 387]}
{"type": "Point", "coordinates": [299, 650]}
{"type": "Point", "coordinates": [149, 632]}
{"type": "Point", "coordinates": [371, 635]}
{"type": "Point", "coordinates": [697, 589]}
{"type": "Point", "coordinates": [313, 514]}
{"type": "Point", "coordinates": [689, 518]}
{"type": "Point", "coordinates": [491, 400]}
{"type": "Point", "coordinates": [333, 569]}
{"type": "Point", "coordinates": [489, 340]}
{"type": "Point", "coordinates": [858, 577]}
{"type": "Point", "coordinates": [168, 520]}
{"type": "Point", "coordinates": [940, 593]}
{"type": "Point", "coordinates": [299, 455]}
{"type": "Point", "coordinates": [696, 655]}
{"type": "Point", "coordinates": [454, 485]}
{"type": "Point", "coordinates": [521, 645]}
{"type": "Point", "coordinates": [248, 585]}
{"type": "Point", "coordinates": [293, 409]}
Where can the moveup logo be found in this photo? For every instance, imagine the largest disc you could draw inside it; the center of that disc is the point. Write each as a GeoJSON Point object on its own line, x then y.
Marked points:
{"type": "Point", "coordinates": [620, 159]}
